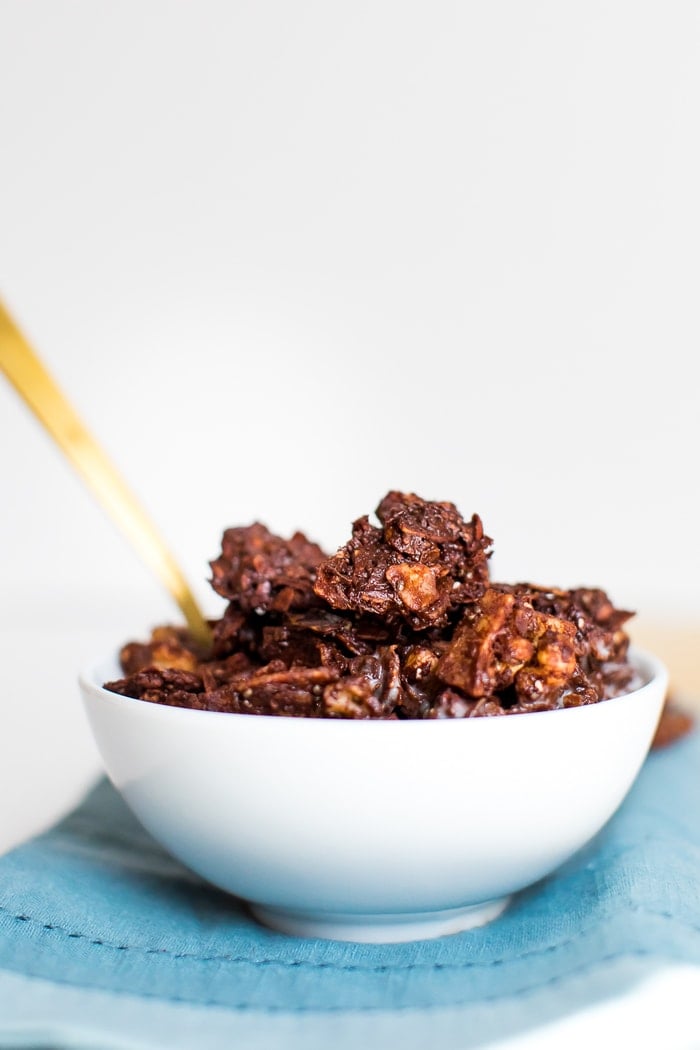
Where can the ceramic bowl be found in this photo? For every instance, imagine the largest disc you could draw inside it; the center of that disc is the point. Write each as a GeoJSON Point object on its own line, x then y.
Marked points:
{"type": "Point", "coordinates": [374, 830]}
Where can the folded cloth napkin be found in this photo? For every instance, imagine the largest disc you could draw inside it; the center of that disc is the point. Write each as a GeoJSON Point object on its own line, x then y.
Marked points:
{"type": "Point", "coordinates": [106, 941]}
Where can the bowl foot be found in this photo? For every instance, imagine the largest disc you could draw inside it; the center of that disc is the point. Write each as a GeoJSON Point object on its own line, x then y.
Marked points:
{"type": "Point", "coordinates": [381, 928]}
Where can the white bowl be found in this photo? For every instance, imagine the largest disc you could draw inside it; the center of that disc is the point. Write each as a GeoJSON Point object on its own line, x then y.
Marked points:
{"type": "Point", "coordinates": [374, 830]}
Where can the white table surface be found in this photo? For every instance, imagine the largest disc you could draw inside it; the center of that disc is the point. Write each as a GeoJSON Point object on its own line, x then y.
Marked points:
{"type": "Point", "coordinates": [47, 755]}
{"type": "Point", "coordinates": [48, 760]}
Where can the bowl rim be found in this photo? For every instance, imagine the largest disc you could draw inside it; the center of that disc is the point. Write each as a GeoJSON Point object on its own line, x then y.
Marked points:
{"type": "Point", "coordinates": [653, 669]}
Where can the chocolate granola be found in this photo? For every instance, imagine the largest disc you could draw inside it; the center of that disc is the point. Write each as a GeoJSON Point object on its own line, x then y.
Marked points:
{"type": "Point", "coordinates": [402, 622]}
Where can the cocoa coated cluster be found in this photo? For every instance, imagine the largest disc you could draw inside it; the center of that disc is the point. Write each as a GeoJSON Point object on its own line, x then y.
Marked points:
{"type": "Point", "coordinates": [402, 622]}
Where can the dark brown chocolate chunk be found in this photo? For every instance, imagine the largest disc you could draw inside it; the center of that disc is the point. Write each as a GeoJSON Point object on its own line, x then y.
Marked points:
{"type": "Point", "coordinates": [275, 690]}
{"type": "Point", "coordinates": [260, 572]}
{"type": "Point", "coordinates": [168, 646]}
{"type": "Point", "coordinates": [162, 686]}
{"type": "Point", "coordinates": [422, 562]}
{"type": "Point", "coordinates": [601, 642]}
{"type": "Point", "coordinates": [370, 690]}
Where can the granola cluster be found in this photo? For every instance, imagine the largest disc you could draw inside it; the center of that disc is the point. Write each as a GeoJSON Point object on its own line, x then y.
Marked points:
{"type": "Point", "coordinates": [402, 622]}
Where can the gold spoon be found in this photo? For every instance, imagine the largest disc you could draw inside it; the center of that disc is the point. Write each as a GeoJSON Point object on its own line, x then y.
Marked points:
{"type": "Point", "coordinates": [32, 381]}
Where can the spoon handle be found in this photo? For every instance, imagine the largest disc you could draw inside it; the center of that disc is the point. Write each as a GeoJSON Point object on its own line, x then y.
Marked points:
{"type": "Point", "coordinates": [39, 390]}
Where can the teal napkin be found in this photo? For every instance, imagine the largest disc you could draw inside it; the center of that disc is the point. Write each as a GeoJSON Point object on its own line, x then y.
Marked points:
{"type": "Point", "coordinates": [105, 940]}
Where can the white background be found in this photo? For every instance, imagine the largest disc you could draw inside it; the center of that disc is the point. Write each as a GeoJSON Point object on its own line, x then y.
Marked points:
{"type": "Point", "coordinates": [286, 256]}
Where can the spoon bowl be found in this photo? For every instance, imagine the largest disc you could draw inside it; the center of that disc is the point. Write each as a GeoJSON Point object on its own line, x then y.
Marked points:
{"type": "Point", "coordinates": [374, 830]}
